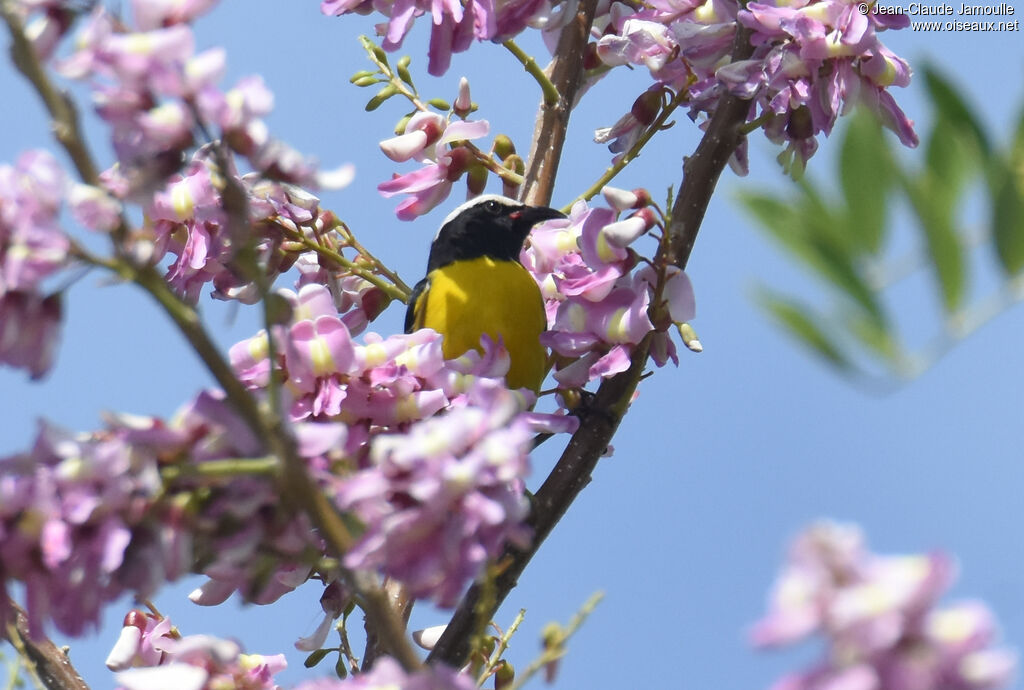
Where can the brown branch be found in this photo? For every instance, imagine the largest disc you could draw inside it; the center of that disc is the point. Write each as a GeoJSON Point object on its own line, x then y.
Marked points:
{"type": "Point", "coordinates": [552, 500]}
{"type": "Point", "coordinates": [566, 72]}
{"type": "Point", "coordinates": [702, 169]}
{"type": "Point", "coordinates": [48, 662]}
{"type": "Point", "coordinates": [573, 470]}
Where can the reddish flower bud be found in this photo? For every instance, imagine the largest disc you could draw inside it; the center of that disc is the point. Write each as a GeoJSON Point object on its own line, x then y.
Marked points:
{"type": "Point", "coordinates": [646, 108]}
{"type": "Point", "coordinates": [460, 158]}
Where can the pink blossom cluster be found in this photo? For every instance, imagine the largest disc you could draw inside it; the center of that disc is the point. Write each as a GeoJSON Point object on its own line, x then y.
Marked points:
{"type": "Point", "coordinates": [454, 24]}
{"type": "Point", "coordinates": [812, 60]}
{"type": "Point", "coordinates": [46, 22]}
{"type": "Point", "coordinates": [85, 518]}
{"type": "Point", "coordinates": [880, 618]}
{"type": "Point", "coordinates": [440, 499]}
{"type": "Point", "coordinates": [155, 91]}
{"type": "Point", "coordinates": [598, 292]}
{"type": "Point", "coordinates": [437, 495]}
{"type": "Point", "coordinates": [150, 654]}
{"type": "Point", "coordinates": [69, 509]}
{"type": "Point", "coordinates": [188, 221]}
{"type": "Point", "coordinates": [33, 247]}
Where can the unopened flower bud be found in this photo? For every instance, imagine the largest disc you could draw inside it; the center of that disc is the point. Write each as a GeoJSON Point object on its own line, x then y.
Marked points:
{"type": "Point", "coordinates": [382, 95]}
{"type": "Point", "coordinates": [689, 337]}
{"type": "Point", "coordinates": [402, 124]}
{"type": "Point", "coordinates": [619, 199]}
{"type": "Point", "coordinates": [591, 59]}
{"type": "Point", "coordinates": [315, 658]}
{"type": "Point", "coordinates": [128, 642]}
{"type": "Point", "coordinates": [800, 125]}
{"type": "Point", "coordinates": [403, 69]}
{"type": "Point", "coordinates": [515, 164]}
{"type": "Point", "coordinates": [428, 637]}
{"type": "Point", "coordinates": [504, 675]}
{"type": "Point", "coordinates": [460, 158]}
{"type": "Point", "coordinates": [476, 179]}
{"type": "Point", "coordinates": [646, 108]}
{"type": "Point", "coordinates": [649, 217]}
{"type": "Point", "coordinates": [363, 74]}
{"type": "Point", "coordinates": [622, 233]}
{"type": "Point", "coordinates": [463, 105]}
{"type": "Point", "coordinates": [503, 146]}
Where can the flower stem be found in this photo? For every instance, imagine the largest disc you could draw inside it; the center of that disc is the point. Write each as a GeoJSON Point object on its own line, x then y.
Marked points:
{"type": "Point", "coordinates": [222, 469]}
{"type": "Point", "coordinates": [535, 71]}
{"type": "Point", "coordinates": [634, 150]}
{"type": "Point", "coordinates": [397, 289]}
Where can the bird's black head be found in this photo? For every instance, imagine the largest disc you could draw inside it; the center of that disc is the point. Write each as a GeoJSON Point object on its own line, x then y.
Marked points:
{"type": "Point", "coordinates": [488, 225]}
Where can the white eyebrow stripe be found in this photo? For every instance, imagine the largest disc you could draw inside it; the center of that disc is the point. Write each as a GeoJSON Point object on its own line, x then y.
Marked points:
{"type": "Point", "coordinates": [473, 202]}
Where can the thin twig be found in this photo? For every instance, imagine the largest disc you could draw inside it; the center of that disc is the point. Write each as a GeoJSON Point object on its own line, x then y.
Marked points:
{"type": "Point", "coordinates": [556, 651]}
{"type": "Point", "coordinates": [397, 289]}
{"type": "Point", "coordinates": [634, 150]}
{"type": "Point", "coordinates": [62, 111]}
{"type": "Point", "coordinates": [534, 70]}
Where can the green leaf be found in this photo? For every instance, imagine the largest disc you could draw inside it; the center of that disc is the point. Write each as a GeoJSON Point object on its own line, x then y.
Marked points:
{"type": "Point", "coordinates": [809, 231]}
{"type": "Point", "coordinates": [800, 324]}
{"type": "Point", "coordinates": [875, 337]}
{"type": "Point", "coordinates": [865, 174]}
{"type": "Point", "coordinates": [949, 161]}
{"type": "Point", "coordinates": [931, 204]}
{"type": "Point", "coordinates": [773, 214]}
{"type": "Point", "coordinates": [952, 107]}
{"type": "Point", "coordinates": [1008, 215]}
{"type": "Point", "coordinates": [836, 264]}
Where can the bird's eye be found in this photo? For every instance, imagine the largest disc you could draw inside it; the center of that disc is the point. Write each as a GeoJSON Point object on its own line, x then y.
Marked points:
{"type": "Point", "coordinates": [492, 206]}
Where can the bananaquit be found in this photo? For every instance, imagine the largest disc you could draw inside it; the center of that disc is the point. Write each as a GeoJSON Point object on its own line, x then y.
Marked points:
{"type": "Point", "coordinates": [476, 285]}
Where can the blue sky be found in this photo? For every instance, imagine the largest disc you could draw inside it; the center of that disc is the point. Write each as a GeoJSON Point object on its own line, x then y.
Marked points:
{"type": "Point", "coordinates": [719, 462]}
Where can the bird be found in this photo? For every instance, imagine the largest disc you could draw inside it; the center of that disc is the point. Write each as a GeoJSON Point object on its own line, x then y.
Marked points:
{"type": "Point", "coordinates": [475, 285]}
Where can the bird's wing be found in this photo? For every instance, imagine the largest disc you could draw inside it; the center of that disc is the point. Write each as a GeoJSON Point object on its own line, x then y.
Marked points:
{"type": "Point", "coordinates": [417, 308]}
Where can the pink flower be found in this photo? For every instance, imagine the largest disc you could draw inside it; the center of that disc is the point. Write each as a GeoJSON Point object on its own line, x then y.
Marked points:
{"type": "Point", "coordinates": [880, 619]}
{"type": "Point", "coordinates": [430, 185]}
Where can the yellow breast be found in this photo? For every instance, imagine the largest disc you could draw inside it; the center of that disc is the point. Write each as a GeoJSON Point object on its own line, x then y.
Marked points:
{"type": "Point", "coordinates": [467, 299]}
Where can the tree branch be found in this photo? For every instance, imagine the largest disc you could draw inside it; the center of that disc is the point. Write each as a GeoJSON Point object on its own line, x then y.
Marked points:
{"type": "Point", "coordinates": [553, 120]}
{"type": "Point", "coordinates": [47, 661]}
{"type": "Point", "coordinates": [702, 169]}
{"type": "Point", "coordinates": [66, 127]}
{"type": "Point", "coordinates": [573, 470]}
{"type": "Point", "coordinates": [552, 500]}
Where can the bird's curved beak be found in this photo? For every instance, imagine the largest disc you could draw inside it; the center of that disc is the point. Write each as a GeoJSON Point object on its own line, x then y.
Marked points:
{"type": "Point", "coordinates": [531, 215]}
